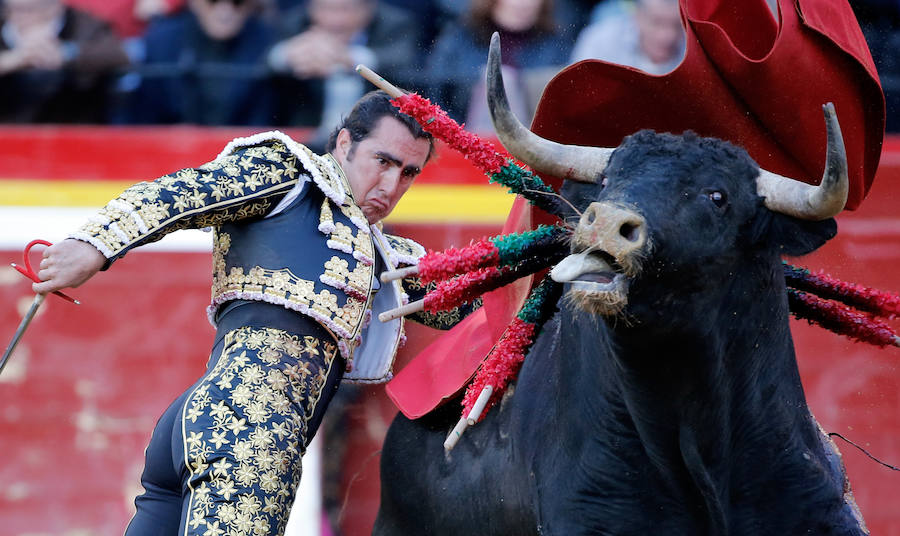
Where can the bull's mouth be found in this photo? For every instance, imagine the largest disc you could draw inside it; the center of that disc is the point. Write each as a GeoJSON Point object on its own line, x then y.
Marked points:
{"type": "Point", "coordinates": [597, 282]}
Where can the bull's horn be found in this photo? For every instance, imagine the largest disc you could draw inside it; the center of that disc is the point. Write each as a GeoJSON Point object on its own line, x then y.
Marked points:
{"type": "Point", "coordinates": [806, 201]}
{"type": "Point", "coordinates": [573, 162]}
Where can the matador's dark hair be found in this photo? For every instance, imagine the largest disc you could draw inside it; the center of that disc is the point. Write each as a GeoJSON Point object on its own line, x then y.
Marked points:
{"type": "Point", "coordinates": [365, 115]}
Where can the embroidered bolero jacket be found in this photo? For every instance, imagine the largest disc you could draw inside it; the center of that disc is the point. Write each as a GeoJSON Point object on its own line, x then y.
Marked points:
{"type": "Point", "coordinates": [287, 231]}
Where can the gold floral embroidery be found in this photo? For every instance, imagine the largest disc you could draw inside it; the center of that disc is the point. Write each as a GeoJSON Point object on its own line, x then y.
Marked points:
{"type": "Point", "coordinates": [141, 192]}
{"type": "Point", "coordinates": [274, 173]}
{"type": "Point", "coordinates": [363, 244]}
{"type": "Point", "coordinates": [129, 227]}
{"type": "Point", "coordinates": [256, 151]}
{"type": "Point", "coordinates": [231, 169]}
{"type": "Point", "coordinates": [245, 429]}
{"type": "Point", "coordinates": [336, 268]}
{"type": "Point", "coordinates": [325, 303]}
{"type": "Point", "coordinates": [153, 213]}
{"type": "Point", "coordinates": [441, 319]}
{"type": "Point", "coordinates": [342, 235]}
{"type": "Point", "coordinates": [247, 211]}
{"type": "Point", "coordinates": [290, 166]}
{"type": "Point", "coordinates": [195, 197]}
{"type": "Point", "coordinates": [405, 247]}
{"type": "Point", "coordinates": [326, 217]}
{"type": "Point", "coordinates": [284, 285]}
{"type": "Point", "coordinates": [354, 213]}
{"type": "Point", "coordinates": [360, 279]}
{"type": "Point", "coordinates": [213, 220]}
{"type": "Point", "coordinates": [351, 311]}
{"type": "Point", "coordinates": [221, 245]}
{"type": "Point", "coordinates": [188, 177]}
{"type": "Point", "coordinates": [218, 191]}
{"type": "Point", "coordinates": [108, 237]}
{"type": "Point", "coordinates": [92, 228]}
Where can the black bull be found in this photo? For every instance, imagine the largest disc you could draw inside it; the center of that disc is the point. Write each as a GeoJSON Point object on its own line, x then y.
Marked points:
{"type": "Point", "coordinates": [664, 396]}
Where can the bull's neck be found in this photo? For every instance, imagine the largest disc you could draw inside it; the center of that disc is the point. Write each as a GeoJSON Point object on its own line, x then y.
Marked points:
{"type": "Point", "coordinates": [711, 394]}
{"type": "Point", "coordinates": [719, 363]}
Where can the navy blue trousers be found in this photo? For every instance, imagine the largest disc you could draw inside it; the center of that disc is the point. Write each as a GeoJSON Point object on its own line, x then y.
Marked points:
{"type": "Point", "coordinates": [225, 455]}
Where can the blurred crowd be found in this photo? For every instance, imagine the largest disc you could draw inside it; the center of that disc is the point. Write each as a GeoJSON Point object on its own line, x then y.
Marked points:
{"type": "Point", "coordinates": [290, 62]}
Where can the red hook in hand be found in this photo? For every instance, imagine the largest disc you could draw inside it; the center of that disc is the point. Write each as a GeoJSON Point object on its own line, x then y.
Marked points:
{"type": "Point", "coordinates": [28, 272]}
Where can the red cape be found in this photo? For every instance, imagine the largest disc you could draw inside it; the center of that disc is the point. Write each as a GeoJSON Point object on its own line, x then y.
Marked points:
{"type": "Point", "coordinates": [744, 79]}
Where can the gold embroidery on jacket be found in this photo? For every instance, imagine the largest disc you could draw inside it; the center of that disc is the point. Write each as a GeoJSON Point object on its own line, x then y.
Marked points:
{"type": "Point", "coordinates": [329, 170]}
{"type": "Point", "coordinates": [336, 268]}
{"type": "Point", "coordinates": [404, 246]}
{"type": "Point", "coordinates": [441, 319]}
{"type": "Point", "coordinates": [352, 211]}
{"type": "Point", "coordinates": [343, 237]}
{"type": "Point", "coordinates": [287, 288]}
{"type": "Point", "coordinates": [221, 245]}
{"type": "Point", "coordinates": [326, 217]}
{"type": "Point", "coordinates": [294, 292]}
{"type": "Point", "coordinates": [363, 244]}
{"type": "Point", "coordinates": [232, 188]}
{"type": "Point", "coordinates": [360, 279]}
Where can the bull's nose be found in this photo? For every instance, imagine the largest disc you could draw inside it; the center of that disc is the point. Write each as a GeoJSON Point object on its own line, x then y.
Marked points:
{"type": "Point", "coordinates": [618, 229]}
{"type": "Point", "coordinates": [631, 230]}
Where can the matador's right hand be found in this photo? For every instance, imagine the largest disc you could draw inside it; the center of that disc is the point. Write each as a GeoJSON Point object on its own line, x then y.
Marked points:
{"type": "Point", "coordinates": [67, 264]}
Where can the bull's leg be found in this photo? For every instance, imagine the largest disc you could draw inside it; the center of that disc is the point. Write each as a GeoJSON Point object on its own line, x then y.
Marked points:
{"type": "Point", "coordinates": [401, 457]}
{"type": "Point", "coordinates": [410, 448]}
{"type": "Point", "coordinates": [478, 488]}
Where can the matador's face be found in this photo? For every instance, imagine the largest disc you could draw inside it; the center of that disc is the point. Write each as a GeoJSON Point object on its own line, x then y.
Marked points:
{"type": "Point", "coordinates": [381, 167]}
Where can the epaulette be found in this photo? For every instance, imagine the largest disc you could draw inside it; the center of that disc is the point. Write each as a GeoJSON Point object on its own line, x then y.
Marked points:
{"type": "Point", "coordinates": [322, 169]}
{"type": "Point", "coordinates": [404, 251]}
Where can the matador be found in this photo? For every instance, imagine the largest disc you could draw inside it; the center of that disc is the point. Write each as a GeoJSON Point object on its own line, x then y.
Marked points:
{"type": "Point", "coordinates": [298, 246]}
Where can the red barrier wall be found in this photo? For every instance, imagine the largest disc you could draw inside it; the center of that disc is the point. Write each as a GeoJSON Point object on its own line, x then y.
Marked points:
{"type": "Point", "coordinates": [83, 391]}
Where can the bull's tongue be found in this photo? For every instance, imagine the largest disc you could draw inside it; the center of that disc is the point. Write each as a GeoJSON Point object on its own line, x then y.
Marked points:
{"type": "Point", "coordinates": [594, 277]}
{"type": "Point", "coordinates": [582, 267]}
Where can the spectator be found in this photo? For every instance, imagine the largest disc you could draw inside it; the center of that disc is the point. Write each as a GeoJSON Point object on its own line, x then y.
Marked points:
{"type": "Point", "coordinates": [56, 63]}
{"type": "Point", "coordinates": [205, 66]}
{"type": "Point", "coordinates": [428, 18]}
{"type": "Point", "coordinates": [533, 50]}
{"type": "Point", "coordinates": [128, 17]}
{"type": "Point", "coordinates": [647, 36]}
{"type": "Point", "coordinates": [322, 45]}
{"type": "Point", "coordinates": [880, 24]}
{"type": "Point", "coordinates": [570, 15]}
{"type": "Point", "coordinates": [281, 6]}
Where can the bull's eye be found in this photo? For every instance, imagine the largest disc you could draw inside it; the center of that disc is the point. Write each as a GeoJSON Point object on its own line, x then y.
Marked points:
{"type": "Point", "coordinates": [603, 181]}
{"type": "Point", "coordinates": [718, 198]}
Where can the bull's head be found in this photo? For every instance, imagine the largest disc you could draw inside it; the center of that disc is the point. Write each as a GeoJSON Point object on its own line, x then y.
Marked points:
{"type": "Point", "coordinates": [671, 205]}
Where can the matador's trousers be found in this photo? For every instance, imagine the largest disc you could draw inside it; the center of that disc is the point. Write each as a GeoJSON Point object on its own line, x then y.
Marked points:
{"type": "Point", "coordinates": [225, 456]}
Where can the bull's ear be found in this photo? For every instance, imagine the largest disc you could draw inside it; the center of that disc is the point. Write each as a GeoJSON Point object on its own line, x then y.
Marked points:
{"type": "Point", "coordinates": [797, 237]}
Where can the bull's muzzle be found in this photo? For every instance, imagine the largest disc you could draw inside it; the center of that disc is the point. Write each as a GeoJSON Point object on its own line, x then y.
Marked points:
{"type": "Point", "coordinates": [607, 247]}
{"type": "Point", "coordinates": [613, 229]}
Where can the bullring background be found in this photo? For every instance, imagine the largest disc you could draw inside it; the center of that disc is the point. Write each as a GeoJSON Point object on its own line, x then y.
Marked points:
{"type": "Point", "coordinates": [83, 390]}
